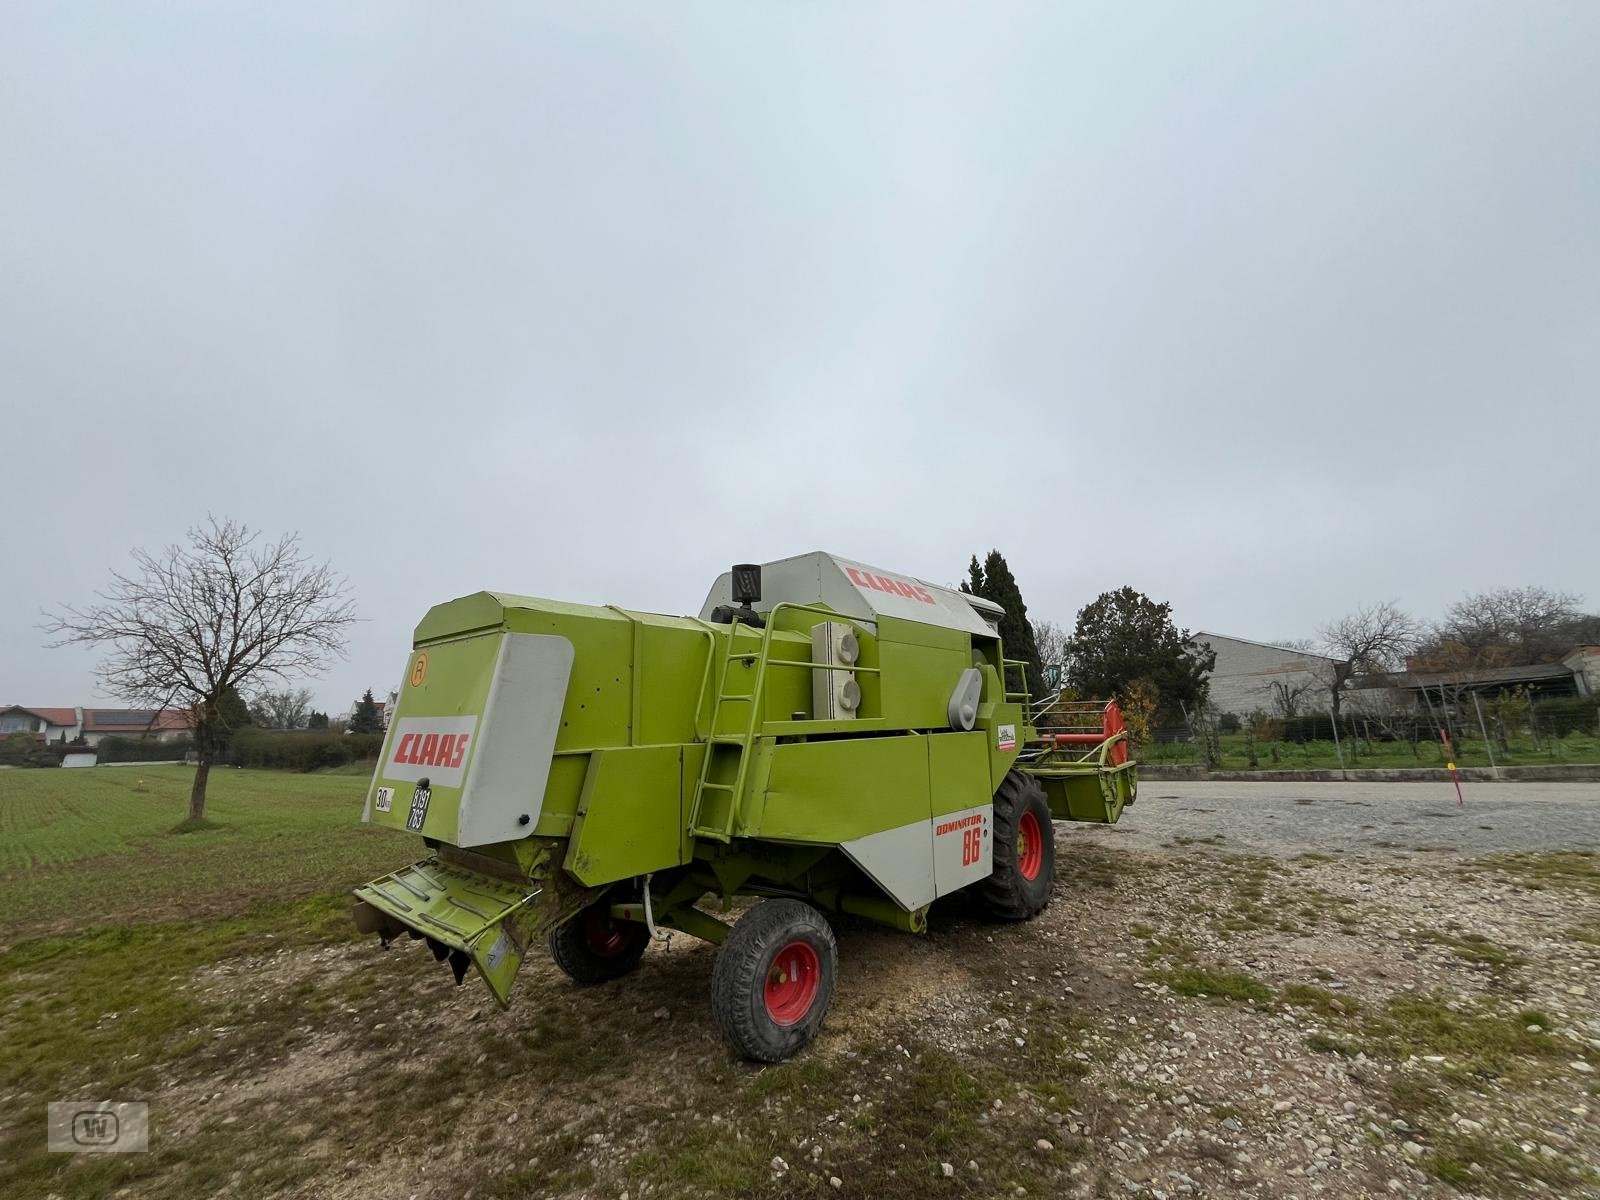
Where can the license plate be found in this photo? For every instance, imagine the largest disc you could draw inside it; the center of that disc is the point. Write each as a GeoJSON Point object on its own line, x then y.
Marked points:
{"type": "Point", "coordinates": [419, 808]}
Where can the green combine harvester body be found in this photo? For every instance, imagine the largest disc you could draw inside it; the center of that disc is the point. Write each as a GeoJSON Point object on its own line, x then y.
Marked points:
{"type": "Point", "coordinates": [591, 775]}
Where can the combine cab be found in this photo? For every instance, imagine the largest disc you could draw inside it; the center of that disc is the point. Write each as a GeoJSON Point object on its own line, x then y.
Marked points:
{"type": "Point", "coordinates": [826, 736]}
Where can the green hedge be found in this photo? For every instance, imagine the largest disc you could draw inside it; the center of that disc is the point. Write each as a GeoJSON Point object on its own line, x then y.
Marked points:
{"type": "Point", "coordinates": [25, 750]}
{"type": "Point", "coordinates": [138, 749]}
{"type": "Point", "coordinates": [301, 749]}
{"type": "Point", "coordinates": [1569, 714]}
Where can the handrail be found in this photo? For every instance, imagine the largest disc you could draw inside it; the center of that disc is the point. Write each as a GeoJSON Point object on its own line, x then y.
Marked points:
{"type": "Point", "coordinates": [1024, 696]}
{"type": "Point", "coordinates": [755, 719]}
{"type": "Point", "coordinates": [705, 680]}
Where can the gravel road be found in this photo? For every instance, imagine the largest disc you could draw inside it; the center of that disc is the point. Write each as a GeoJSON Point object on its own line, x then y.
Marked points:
{"type": "Point", "coordinates": [1359, 818]}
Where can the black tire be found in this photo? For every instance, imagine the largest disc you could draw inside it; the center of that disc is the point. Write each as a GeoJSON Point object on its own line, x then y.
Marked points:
{"type": "Point", "coordinates": [786, 943]}
{"type": "Point", "coordinates": [593, 947]}
{"type": "Point", "coordinates": [1010, 893]}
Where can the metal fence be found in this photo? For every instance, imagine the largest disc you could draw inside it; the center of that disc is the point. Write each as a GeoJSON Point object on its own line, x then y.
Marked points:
{"type": "Point", "coordinates": [1469, 730]}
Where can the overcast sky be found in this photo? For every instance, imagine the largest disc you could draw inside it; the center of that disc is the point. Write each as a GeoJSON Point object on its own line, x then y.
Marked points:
{"type": "Point", "coordinates": [1266, 309]}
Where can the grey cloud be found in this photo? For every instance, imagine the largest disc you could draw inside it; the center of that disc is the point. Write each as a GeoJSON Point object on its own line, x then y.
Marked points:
{"type": "Point", "coordinates": [1266, 309]}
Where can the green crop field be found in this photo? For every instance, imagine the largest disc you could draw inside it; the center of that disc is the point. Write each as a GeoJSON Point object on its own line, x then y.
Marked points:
{"type": "Point", "coordinates": [105, 914]}
{"type": "Point", "coordinates": [86, 847]}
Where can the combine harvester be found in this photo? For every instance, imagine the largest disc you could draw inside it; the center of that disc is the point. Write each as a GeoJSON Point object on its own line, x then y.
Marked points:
{"type": "Point", "coordinates": [826, 736]}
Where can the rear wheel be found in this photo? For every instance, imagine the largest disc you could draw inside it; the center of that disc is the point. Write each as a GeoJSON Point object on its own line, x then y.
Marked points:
{"type": "Point", "coordinates": [773, 979]}
{"type": "Point", "coordinates": [1024, 851]}
{"type": "Point", "coordinates": [594, 946]}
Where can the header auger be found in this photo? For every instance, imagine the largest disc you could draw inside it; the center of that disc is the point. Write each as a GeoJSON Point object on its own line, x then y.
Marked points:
{"type": "Point", "coordinates": [825, 736]}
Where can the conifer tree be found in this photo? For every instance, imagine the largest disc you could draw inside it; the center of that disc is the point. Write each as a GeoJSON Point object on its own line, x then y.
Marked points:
{"type": "Point", "coordinates": [367, 718]}
{"type": "Point", "coordinates": [994, 581]}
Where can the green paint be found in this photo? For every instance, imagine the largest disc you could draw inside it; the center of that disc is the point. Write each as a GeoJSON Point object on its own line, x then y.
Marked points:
{"type": "Point", "coordinates": [629, 815]}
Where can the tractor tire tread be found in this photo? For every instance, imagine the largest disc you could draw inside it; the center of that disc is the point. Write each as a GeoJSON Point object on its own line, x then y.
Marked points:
{"type": "Point", "coordinates": [1006, 895]}
{"type": "Point", "coordinates": [570, 949]}
{"type": "Point", "coordinates": [738, 978]}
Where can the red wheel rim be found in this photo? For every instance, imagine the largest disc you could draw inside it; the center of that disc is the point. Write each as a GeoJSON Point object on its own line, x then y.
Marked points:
{"type": "Point", "coordinates": [793, 980]}
{"type": "Point", "coordinates": [1030, 846]}
{"type": "Point", "coordinates": [604, 936]}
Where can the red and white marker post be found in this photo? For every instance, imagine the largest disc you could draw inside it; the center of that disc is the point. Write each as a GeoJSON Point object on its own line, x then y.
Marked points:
{"type": "Point", "coordinates": [1450, 761]}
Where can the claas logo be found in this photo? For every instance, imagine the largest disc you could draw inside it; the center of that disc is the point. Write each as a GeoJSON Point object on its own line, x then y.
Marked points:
{"type": "Point", "coordinates": [886, 583]}
{"type": "Point", "coordinates": [432, 749]}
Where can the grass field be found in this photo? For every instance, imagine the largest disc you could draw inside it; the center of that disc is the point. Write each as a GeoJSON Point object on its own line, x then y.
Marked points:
{"type": "Point", "coordinates": [216, 974]}
{"type": "Point", "coordinates": [107, 912]}
{"type": "Point", "coordinates": [88, 847]}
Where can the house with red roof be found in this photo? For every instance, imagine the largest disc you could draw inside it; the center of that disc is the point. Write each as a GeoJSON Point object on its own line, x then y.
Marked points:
{"type": "Point", "coordinates": [160, 724]}
{"type": "Point", "coordinates": [48, 724]}
{"type": "Point", "coordinates": [92, 724]}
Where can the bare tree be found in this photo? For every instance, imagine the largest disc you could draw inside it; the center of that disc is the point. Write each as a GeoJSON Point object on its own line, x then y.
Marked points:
{"type": "Point", "coordinates": [1051, 640]}
{"type": "Point", "coordinates": [1289, 694]}
{"type": "Point", "coordinates": [282, 709]}
{"type": "Point", "coordinates": [1372, 639]}
{"type": "Point", "coordinates": [194, 624]}
{"type": "Point", "coordinates": [1508, 627]}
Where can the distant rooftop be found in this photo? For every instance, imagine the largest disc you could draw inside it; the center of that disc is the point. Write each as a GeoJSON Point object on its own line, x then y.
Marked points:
{"type": "Point", "coordinates": [1201, 635]}
{"type": "Point", "coordinates": [55, 716]}
{"type": "Point", "coordinates": [1538, 673]}
{"type": "Point", "coordinates": [134, 720]}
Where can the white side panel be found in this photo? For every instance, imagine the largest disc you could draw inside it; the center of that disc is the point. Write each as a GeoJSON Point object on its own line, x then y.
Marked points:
{"type": "Point", "coordinates": [900, 861]}
{"type": "Point", "coordinates": [835, 695]}
{"type": "Point", "coordinates": [963, 848]}
{"type": "Point", "coordinates": [857, 590]}
{"type": "Point", "coordinates": [431, 748]}
{"type": "Point", "coordinates": [919, 862]}
{"type": "Point", "coordinates": [511, 763]}
{"type": "Point", "coordinates": [912, 599]}
{"type": "Point", "coordinates": [804, 579]}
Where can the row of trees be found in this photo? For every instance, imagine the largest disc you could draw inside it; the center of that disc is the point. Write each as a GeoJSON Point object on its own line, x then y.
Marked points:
{"type": "Point", "coordinates": [1504, 627]}
{"type": "Point", "coordinates": [1123, 645]}
{"type": "Point", "coordinates": [291, 709]}
{"type": "Point", "coordinates": [1126, 645]}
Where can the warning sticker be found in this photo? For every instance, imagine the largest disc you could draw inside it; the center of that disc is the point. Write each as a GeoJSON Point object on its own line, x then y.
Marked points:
{"type": "Point", "coordinates": [1006, 737]}
{"type": "Point", "coordinates": [497, 952]}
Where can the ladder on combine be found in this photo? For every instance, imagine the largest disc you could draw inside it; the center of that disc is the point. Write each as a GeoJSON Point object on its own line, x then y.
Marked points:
{"type": "Point", "coordinates": [725, 769]}
{"type": "Point", "coordinates": [727, 757]}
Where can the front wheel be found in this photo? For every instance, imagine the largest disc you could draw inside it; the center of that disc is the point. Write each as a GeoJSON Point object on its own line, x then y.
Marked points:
{"type": "Point", "coordinates": [773, 979]}
{"type": "Point", "coordinates": [594, 946]}
{"type": "Point", "coordinates": [1024, 851]}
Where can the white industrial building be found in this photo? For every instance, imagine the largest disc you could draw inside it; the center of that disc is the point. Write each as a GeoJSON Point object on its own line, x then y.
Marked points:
{"type": "Point", "coordinates": [1258, 675]}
